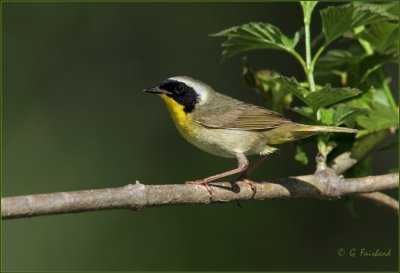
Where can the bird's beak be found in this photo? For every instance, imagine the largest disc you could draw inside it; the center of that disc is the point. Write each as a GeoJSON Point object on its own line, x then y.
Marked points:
{"type": "Point", "coordinates": [156, 90]}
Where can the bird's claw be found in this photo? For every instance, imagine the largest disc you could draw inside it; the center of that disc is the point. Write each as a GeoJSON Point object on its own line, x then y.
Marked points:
{"type": "Point", "coordinates": [252, 185]}
{"type": "Point", "coordinates": [206, 185]}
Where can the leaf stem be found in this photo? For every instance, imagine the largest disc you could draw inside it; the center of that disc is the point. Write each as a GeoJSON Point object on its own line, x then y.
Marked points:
{"type": "Point", "coordinates": [316, 56]}
{"type": "Point", "coordinates": [300, 59]}
{"type": "Point", "coordinates": [310, 68]}
{"type": "Point", "coordinates": [388, 93]}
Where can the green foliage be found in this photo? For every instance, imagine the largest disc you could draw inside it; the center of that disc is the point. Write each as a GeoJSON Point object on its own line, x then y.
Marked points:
{"type": "Point", "coordinates": [379, 118]}
{"type": "Point", "coordinates": [324, 97]}
{"type": "Point", "coordinates": [338, 20]}
{"type": "Point", "coordinates": [255, 36]}
{"type": "Point", "coordinates": [382, 36]}
{"type": "Point", "coordinates": [329, 96]}
{"type": "Point", "coordinates": [342, 114]}
{"type": "Point", "coordinates": [301, 155]}
{"type": "Point", "coordinates": [275, 96]}
{"type": "Point", "coordinates": [345, 114]}
{"type": "Point", "coordinates": [342, 87]}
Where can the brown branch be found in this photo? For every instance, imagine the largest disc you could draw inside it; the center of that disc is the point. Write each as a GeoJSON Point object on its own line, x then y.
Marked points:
{"type": "Point", "coordinates": [359, 151]}
{"type": "Point", "coordinates": [370, 183]}
{"type": "Point", "coordinates": [322, 185]}
{"type": "Point", "coordinates": [380, 199]}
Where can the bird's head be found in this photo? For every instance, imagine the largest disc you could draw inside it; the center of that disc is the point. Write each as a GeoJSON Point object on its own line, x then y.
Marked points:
{"type": "Point", "coordinates": [186, 91]}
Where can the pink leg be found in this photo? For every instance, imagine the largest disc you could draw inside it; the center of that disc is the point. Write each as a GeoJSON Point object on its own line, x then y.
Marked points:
{"type": "Point", "coordinates": [253, 167]}
{"type": "Point", "coordinates": [243, 163]}
{"type": "Point", "coordinates": [244, 175]}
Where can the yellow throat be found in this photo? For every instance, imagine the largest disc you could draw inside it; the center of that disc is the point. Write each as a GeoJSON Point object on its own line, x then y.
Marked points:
{"type": "Point", "coordinates": [181, 119]}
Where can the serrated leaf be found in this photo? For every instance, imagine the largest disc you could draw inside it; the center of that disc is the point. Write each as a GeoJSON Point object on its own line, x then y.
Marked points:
{"type": "Point", "coordinates": [274, 97]}
{"type": "Point", "coordinates": [337, 59]}
{"type": "Point", "coordinates": [339, 67]}
{"type": "Point", "coordinates": [326, 116]}
{"type": "Point", "coordinates": [380, 117]}
{"type": "Point", "coordinates": [277, 98]}
{"type": "Point", "coordinates": [345, 113]}
{"type": "Point", "coordinates": [378, 85]}
{"type": "Point", "coordinates": [352, 67]}
{"type": "Point", "coordinates": [305, 111]}
{"type": "Point", "coordinates": [329, 96]}
{"type": "Point", "coordinates": [364, 101]}
{"type": "Point", "coordinates": [293, 86]}
{"type": "Point", "coordinates": [255, 36]}
{"type": "Point", "coordinates": [301, 155]}
{"type": "Point", "coordinates": [382, 36]}
{"type": "Point", "coordinates": [340, 19]}
{"type": "Point", "coordinates": [392, 8]}
{"type": "Point", "coordinates": [321, 98]}
{"type": "Point", "coordinates": [370, 64]}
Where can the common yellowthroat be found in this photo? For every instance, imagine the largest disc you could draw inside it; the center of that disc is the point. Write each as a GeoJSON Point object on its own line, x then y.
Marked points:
{"type": "Point", "coordinates": [227, 127]}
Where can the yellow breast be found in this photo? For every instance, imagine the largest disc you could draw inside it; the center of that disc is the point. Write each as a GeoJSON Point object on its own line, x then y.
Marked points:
{"type": "Point", "coordinates": [183, 121]}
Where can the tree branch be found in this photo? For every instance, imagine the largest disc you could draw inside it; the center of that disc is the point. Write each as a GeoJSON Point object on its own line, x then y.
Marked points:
{"type": "Point", "coordinates": [359, 151]}
{"type": "Point", "coordinates": [380, 199]}
{"type": "Point", "coordinates": [322, 185]}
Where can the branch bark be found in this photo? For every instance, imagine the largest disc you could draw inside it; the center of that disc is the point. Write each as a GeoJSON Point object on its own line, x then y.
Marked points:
{"type": "Point", "coordinates": [380, 199]}
{"type": "Point", "coordinates": [359, 151]}
{"type": "Point", "coordinates": [322, 185]}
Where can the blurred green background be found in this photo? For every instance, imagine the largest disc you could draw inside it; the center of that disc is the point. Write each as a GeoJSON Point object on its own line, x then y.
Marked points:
{"type": "Point", "coordinates": [74, 118]}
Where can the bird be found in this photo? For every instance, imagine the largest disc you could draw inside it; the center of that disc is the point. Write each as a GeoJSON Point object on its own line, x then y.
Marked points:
{"type": "Point", "coordinates": [226, 127]}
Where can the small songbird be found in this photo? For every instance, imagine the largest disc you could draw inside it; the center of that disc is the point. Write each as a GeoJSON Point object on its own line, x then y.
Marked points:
{"type": "Point", "coordinates": [227, 127]}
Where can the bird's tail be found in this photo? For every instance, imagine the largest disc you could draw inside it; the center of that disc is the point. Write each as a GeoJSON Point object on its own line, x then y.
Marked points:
{"type": "Point", "coordinates": [294, 131]}
{"type": "Point", "coordinates": [324, 129]}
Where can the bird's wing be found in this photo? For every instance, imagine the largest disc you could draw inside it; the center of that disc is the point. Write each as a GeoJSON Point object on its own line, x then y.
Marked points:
{"type": "Point", "coordinates": [237, 115]}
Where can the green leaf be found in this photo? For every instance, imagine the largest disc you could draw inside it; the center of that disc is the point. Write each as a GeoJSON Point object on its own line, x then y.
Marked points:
{"type": "Point", "coordinates": [370, 64]}
{"type": "Point", "coordinates": [275, 97]}
{"type": "Point", "coordinates": [345, 113]}
{"type": "Point", "coordinates": [350, 67]}
{"type": "Point", "coordinates": [337, 59]}
{"type": "Point", "coordinates": [301, 156]}
{"type": "Point", "coordinates": [305, 111]}
{"type": "Point", "coordinates": [293, 86]}
{"type": "Point", "coordinates": [382, 36]}
{"type": "Point", "coordinates": [340, 115]}
{"type": "Point", "coordinates": [255, 36]}
{"type": "Point", "coordinates": [321, 98]}
{"type": "Point", "coordinates": [329, 96]}
{"type": "Point", "coordinates": [392, 8]}
{"type": "Point", "coordinates": [364, 101]}
{"type": "Point", "coordinates": [326, 116]}
{"type": "Point", "coordinates": [339, 67]}
{"type": "Point", "coordinates": [340, 19]}
{"type": "Point", "coordinates": [380, 117]}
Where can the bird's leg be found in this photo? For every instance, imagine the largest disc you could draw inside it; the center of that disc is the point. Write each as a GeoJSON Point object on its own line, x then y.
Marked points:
{"type": "Point", "coordinates": [243, 163]}
{"type": "Point", "coordinates": [243, 176]}
{"type": "Point", "coordinates": [253, 167]}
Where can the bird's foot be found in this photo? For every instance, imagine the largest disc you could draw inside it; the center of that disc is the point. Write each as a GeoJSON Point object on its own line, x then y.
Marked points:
{"type": "Point", "coordinates": [204, 183]}
{"type": "Point", "coordinates": [251, 183]}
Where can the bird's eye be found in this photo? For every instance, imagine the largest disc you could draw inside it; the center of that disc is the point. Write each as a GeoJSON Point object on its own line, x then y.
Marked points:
{"type": "Point", "coordinates": [179, 88]}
